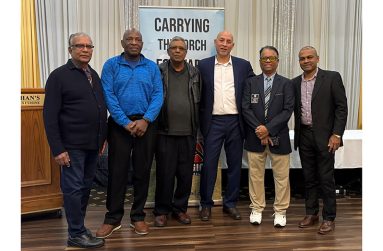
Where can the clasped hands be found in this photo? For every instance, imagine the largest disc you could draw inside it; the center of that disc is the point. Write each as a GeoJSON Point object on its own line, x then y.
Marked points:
{"type": "Point", "coordinates": [137, 127]}
{"type": "Point", "coordinates": [263, 134]}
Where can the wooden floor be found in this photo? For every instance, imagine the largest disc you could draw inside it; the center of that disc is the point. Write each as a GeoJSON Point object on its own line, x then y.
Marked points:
{"type": "Point", "coordinates": [220, 233]}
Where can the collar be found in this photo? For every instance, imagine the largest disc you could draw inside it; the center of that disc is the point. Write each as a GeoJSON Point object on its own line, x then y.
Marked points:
{"type": "Point", "coordinates": [314, 77]}
{"type": "Point", "coordinates": [225, 64]}
{"type": "Point", "coordinates": [72, 65]}
{"type": "Point", "coordinates": [272, 76]}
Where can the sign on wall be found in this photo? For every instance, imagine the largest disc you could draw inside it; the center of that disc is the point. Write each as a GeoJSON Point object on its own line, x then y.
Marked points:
{"type": "Point", "coordinates": [198, 26]}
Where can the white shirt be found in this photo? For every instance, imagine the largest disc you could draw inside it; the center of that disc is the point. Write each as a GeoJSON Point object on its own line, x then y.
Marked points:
{"type": "Point", "coordinates": [224, 91]}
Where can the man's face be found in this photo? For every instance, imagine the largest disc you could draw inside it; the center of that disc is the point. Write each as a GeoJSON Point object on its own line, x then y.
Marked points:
{"type": "Point", "coordinates": [177, 51]}
{"type": "Point", "coordinates": [269, 61]}
{"type": "Point", "coordinates": [132, 43]}
{"type": "Point", "coordinates": [224, 43]}
{"type": "Point", "coordinates": [308, 60]}
{"type": "Point", "coordinates": [80, 49]}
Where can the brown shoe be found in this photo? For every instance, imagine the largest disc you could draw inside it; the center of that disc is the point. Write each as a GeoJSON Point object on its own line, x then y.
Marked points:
{"type": "Point", "coordinates": [182, 218]}
{"type": "Point", "coordinates": [140, 227]}
{"type": "Point", "coordinates": [326, 227]}
{"type": "Point", "coordinates": [106, 230]}
{"type": "Point", "coordinates": [232, 212]}
{"type": "Point", "coordinates": [160, 221]}
{"type": "Point", "coordinates": [308, 221]}
{"type": "Point", "coordinates": [205, 213]}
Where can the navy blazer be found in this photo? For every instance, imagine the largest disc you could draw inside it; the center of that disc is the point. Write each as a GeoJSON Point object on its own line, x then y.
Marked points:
{"type": "Point", "coordinates": [328, 108]}
{"type": "Point", "coordinates": [281, 107]}
{"type": "Point", "coordinates": [242, 70]}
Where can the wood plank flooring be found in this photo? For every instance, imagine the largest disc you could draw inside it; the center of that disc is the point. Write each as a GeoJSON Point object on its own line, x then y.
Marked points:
{"type": "Point", "coordinates": [220, 233]}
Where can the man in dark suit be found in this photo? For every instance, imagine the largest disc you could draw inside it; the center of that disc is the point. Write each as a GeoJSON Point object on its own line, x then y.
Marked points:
{"type": "Point", "coordinates": [221, 122]}
{"type": "Point", "coordinates": [320, 120]}
{"type": "Point", "coordinates": [267, 105]}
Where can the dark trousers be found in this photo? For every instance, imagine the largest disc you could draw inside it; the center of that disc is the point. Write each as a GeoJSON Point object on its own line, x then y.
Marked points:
{"type": "Point", "coordinates": [318, 173]}
{"type": "Point", "coordinates": [122, 147]}
{"type": "Point", "coordinates": [76, 182]}
{"type": "Point", "coordinates": [174, 160]}
{"type": "Point", "coordinates": [224, 130]}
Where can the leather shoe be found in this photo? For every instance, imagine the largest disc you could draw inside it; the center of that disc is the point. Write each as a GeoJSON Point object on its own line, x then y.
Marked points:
{"type": "Point", "coordinates": [205, 213]}
{"type": "Point", "coordinates": [182, 218]}
{"type": "Point", "coordinates": [308, 221]}
{"type": "Point", "coordinates": [140, 227]}
{"type": "Point", "coordinates": [326, 227]}
{"type": "Point", "coordinates": [232, 212]}
{"type": "Point", "coordinates": [160, 221]}
{"type": "Point", "coordinates": [106, 230]}
{"type": "Point", "coordinates": [85, 241]}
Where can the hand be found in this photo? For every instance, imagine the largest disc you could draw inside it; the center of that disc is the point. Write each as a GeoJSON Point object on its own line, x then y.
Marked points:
{"type": "Point", "coordinates": [261, 132]}
{"type": "Point", "coordinates": [63, 159]}
{"type": "Point", "coordinates": [141, 127]}
{"type": "Point", "coordinates": [266, 141]}
{"type": "Point", "coordinates": [103, 148]}
{"type": "Point", "coordinates": [333, 143]}
{"type": "Point", "coordinates": [131, 128]}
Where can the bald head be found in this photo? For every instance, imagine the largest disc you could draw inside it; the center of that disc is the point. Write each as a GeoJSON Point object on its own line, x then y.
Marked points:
{"type": "Point", "coordinates": [224, 43]}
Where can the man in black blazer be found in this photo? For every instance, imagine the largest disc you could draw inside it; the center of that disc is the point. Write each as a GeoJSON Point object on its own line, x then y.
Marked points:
{"type": "Point", "coordinates": [221, 122]}
{"type": "Point", "coordinates": [267, 105]}
{"type": "Point", "coordinates": [320, 120]}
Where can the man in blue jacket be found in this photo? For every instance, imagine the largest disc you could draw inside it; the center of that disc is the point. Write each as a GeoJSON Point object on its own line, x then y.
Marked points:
{"type": "Point", "coordinates": [267, 105]}
{"type": "Point", "coordinates": [223, 77]}
{"type": "Point", "coordinates": [75, 124]}
{"type": "Point", "coordinates": [133, 92]}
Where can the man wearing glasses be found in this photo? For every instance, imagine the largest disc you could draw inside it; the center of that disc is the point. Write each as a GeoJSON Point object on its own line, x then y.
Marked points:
{"type": "Point", "coordinates": [75, 124]}
{"type": "Point", "coordinates": [177, 131]}
{"type": "Point", "coordinates": [133, 93]}
{"type": "Point", "coordinates": [267, 105]}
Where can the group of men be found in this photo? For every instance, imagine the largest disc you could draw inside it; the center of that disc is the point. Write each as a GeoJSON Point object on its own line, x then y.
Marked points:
{"type": "Point", "coordinates": [157, 111]}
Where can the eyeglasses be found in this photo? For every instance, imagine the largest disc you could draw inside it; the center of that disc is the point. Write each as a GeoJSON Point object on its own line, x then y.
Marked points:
{"type": "Point", "coordinates": [173, 48]}
{"type": "Point", "coordinates": [271, 59]}
{"type": "Point", "coordinates": [82, 46]}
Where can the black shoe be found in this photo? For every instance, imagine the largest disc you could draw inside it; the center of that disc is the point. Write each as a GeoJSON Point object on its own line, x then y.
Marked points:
{"type": "Point", "coordinates": [85, 241]}
{"type": "Point", "coordinates": [205, 213]}
{"type": "Point", "coordinates": [232, 212]}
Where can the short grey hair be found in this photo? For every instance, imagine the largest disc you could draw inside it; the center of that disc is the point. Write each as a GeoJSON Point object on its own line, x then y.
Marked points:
{"type": "Point", "coordinates": [78, 34]}
{"type": "Point", "coordinates": [178, 38]}
{"type": "Point", "coordinates": [308, 47]}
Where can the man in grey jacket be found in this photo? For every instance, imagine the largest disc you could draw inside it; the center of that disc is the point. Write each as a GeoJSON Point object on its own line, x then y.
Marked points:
{"type": "Point", "coordinates": [177, 130]}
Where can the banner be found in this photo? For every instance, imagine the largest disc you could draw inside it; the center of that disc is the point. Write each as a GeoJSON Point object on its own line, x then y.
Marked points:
{"type": "Point", "coordinates": [198, 26]}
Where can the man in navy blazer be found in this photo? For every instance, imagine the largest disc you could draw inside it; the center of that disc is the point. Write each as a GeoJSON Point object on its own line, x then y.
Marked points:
{"type": "Point", "coordinates": [221, 122]}
{"type": "Point", "coordinates": [267, 105]}
{"type": "Point", "coordinates": [320, 120]}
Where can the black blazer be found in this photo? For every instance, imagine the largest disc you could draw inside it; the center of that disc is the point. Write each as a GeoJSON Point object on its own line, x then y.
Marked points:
{"type": "Point", "coordinates": [328, 108]}
{"type": "Point", "coordinates": [242, 70]}
{"type": "Point", "coordinates": [281, 107]}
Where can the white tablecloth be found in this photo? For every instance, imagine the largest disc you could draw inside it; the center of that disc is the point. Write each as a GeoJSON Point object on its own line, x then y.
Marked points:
{"type": "Point", "coordinates": [348, 156]}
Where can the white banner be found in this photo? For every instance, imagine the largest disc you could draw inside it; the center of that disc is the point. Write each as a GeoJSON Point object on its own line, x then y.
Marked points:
{"type": "Point", "coordinates": [198, 26]}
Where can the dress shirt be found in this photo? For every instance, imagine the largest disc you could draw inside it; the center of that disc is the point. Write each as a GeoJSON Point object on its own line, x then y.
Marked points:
{"type": "Point", "coordinates": [307, 87]}
{"type": "Point", "coordinates": [224, 91]}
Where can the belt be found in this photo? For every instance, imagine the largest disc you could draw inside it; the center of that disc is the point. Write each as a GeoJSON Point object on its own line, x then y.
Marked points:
{"type": "Point", "coordinates": [309, 127]}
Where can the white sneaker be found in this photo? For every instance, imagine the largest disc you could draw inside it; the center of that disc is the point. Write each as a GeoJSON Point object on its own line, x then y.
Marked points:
{"type": "Point", "coordinates": [279, 220]}
{"type": "Point", "coordinates": [255, 217]}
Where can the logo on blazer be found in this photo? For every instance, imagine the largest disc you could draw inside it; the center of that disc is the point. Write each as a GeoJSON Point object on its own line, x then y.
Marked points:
{"type": "Point", "coordinates": [254, 98]}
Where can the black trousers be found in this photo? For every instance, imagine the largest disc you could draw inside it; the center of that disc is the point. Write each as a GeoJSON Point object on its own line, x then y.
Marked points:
{"type": "Point", "coordinates": [318, 173]}
{"type": "Point", "coordinates": [174, 162]}
{"type": "Point", "coordinates": [122, 147]}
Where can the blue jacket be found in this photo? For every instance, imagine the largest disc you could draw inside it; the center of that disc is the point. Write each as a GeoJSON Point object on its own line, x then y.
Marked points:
{"type": "Point", "coordinates": [132, 91]}
{"type": "Point", "coordinates": [242, 70]}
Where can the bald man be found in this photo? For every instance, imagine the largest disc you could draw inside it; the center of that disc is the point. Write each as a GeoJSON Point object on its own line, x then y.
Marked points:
{"type": "Point", "coordinates": [223, 78]}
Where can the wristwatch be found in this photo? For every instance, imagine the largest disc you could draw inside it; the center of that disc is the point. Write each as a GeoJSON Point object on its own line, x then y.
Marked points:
{"type": "Point", "coordinates": [336, 135]}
